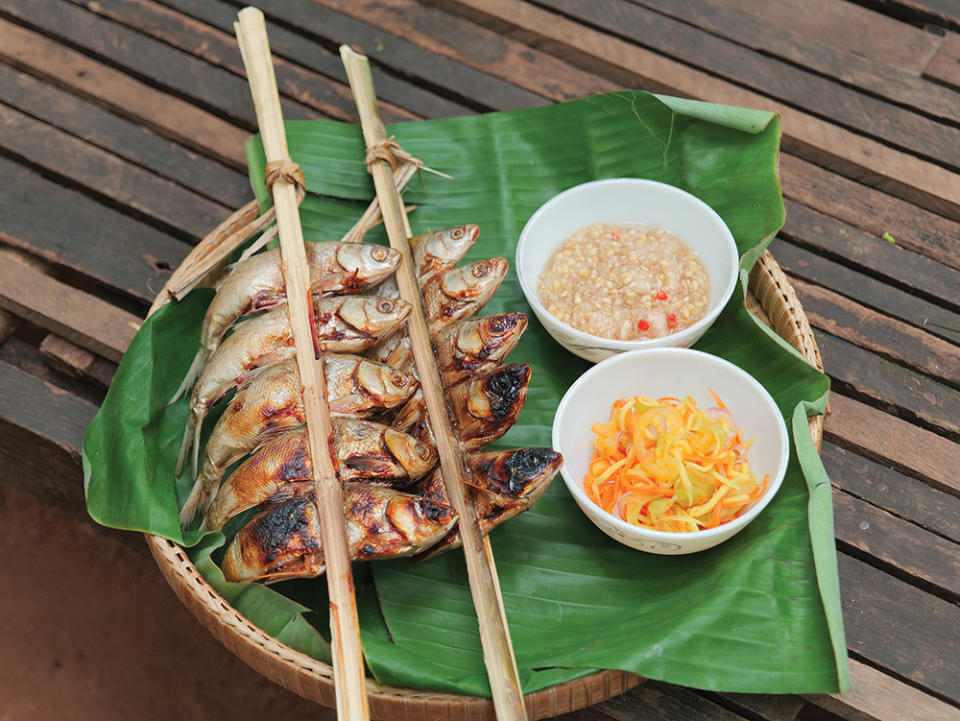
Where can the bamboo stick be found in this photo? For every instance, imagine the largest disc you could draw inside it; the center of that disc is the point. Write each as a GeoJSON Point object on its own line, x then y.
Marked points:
{"type": "Point", "coordinates": [348, 670]}
{"type": "Point", "coordinates": [484, 585]}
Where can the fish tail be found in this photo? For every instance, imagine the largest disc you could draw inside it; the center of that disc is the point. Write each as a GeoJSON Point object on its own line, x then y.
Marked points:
{"type": "Point", "coordinates": [185, 445]}
{"type": "Point", "coordinates": [192, 505]}
{"type": "Point", "coordinates": [190, 378]}
{"type": "Point", "coordinates": [196, 447]}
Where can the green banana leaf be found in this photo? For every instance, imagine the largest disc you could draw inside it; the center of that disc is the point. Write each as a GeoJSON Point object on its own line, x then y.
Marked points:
{"type": "Point", "coordinates": [759, 613]}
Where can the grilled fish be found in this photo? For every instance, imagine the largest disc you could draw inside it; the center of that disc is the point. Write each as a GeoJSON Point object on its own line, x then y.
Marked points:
{"type": "Point", "coordinates": [440, 250]}
{"type": "Point", "coordinates": [460, 293]}
{"type": "Point", "coordinates": [506, 482]}
{"type": "Point", "coordinates": [271, 402]}
{"type": "Point", "coordinates": [284, 540]}
{"type": "Point", "coordinates": [345, 324]}
{"type": "Point", "coordinates": [256, 284]}
{"type": "Point", "coordinates": [472, 346]}
{"type": "Point", "coordinates": [482, 409]}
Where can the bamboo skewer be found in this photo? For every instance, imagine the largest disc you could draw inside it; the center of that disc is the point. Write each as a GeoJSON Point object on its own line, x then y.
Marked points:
{"type": "Point", "coordinates": [484, 585]}
{"type": "Point", "coordinates": [348, 669]}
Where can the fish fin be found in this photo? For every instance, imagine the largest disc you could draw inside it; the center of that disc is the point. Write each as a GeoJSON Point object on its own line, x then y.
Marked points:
{"type": "Point", "coordinates": [189, 511]}
{"type": "Point", "coordinates": [196, 447]}
{"type": "Point", "coordinates": [185, 446]}
{"type": "Point", "coordinates": [190, 378]}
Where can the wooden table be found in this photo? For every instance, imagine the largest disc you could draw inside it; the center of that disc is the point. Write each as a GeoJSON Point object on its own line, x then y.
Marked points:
{"type": "Point", "coordinates": [123, 128]}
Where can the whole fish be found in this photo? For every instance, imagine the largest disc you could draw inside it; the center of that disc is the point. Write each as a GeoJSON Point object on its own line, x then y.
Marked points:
{"type": "Point", "coordinates": [482, 408]}
{"type": "Point", "coordinates": [284, 540]}
{"type": "Point", "coordinates": [270, 401]}
{"type": "Point", "coordinates": [256, 284]}
{"type": "Point", "coordinates": [366, 452]}
{"type": "Point", "coordinates": [440, 250]}
{"type": "Point", "coordinates": [472, 346]}
{"type": "Point", "coordinates": [460, 293]}
{"type": "Point", "coordinates": [506, 482]}
{"type": "Point", "coordinates": [343, 324]}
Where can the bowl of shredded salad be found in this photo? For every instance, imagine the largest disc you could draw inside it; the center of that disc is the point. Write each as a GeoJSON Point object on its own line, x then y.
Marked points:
{"type": "Point", "coordinates": [670, 450]}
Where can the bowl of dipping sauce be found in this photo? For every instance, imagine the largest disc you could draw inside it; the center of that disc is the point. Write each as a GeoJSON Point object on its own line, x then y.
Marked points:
{"type": "Point", "coordinates": [621, 264]}
{"type": "Point", "coordinates": [672, 418]}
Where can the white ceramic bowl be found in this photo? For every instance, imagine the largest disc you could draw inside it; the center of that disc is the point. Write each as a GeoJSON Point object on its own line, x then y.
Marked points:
{"type": "Point", "coordinates": [627, 200]}
{"type": "Point", "coordinates": [676, 372]}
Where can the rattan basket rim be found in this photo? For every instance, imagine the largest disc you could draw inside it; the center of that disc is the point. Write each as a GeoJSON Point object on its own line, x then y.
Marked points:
{"type": "Point", "coordinates": [772, 299]}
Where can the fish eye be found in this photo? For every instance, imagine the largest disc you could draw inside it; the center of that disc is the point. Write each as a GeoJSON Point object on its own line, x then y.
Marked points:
{"type": "Point", "coordinates": [379, 253]}
{"type": "Point", "coordinates": [498, 325]}
{"type": "Point", "coordinates": [480, 270]}
{"type": "Point", "coordinates": [397, 378]}
{"type": "Point", "coordinates": [456, 233]}
{"type": "Point", "coordinates": [422, 451]}
{"type": "Point", "coordinates": [385, 306]}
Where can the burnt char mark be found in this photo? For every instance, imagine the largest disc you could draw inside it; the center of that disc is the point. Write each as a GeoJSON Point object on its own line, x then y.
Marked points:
{"type": "Point", "coordinates": [504, 322]}
{"type": "Point", "coordinates": [283, 527]}
{"type": "Point", "coordinates": [433, 512]}
{"type": "Point", "coordinates": [369, 464]}
{"type": "Point", "coordinates": [296, 467]}
{"type": "Point", "coordinates": [505, 386]}
{"type": "Point", "coordinates": [362, 507]}
{"type": "Point", "coordinates": [513, 473]}
{"type": "Point", "coordinates": [262, 300]}
{"type": "Point", "coordinates": [366, 550]}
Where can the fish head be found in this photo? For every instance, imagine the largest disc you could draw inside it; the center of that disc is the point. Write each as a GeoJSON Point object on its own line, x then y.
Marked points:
{"type": "Point", "coordinates": [416, 457]}
{"type": "Point", "coordinates": [374, 315]}
{"type": "Point", "coordinates": [500, 394]}
{"type": "Point", "coordinates": [525, 472]}
{"type": "Point", "coordinates": [444, 248]}
{"type": "Point", "coordinates": [419, 520]}
{"type": "Point", "coordinates": [499, 334]}
{"type": "Point", "coordinates": [476, 281]}
{"type": "Point", "coordinates": [368, 261]}
{"type": "Point", "coordinates": [391, 387]}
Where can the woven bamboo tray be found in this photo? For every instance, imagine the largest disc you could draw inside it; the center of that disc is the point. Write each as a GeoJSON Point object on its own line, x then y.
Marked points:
{"type": "Point", "coordinates": [771, 298]}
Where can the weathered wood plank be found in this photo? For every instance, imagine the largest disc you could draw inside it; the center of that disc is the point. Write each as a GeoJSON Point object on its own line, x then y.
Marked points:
{"type": "Point", "coordinates": [204, 85]}
{"type": "Point", "coordinates": [894, 492]}
{"type": "Point", "coordinates": [774, 78]}
{"type": "Point", "coordinates": [655, 701]}
{"type": "Point", "coordinates": [67, 228]}
{"type": "Point", "coordinates": [897, 627]}
{"type": "Point", "coordinates": [420, 61]}
{"type": "Point", "coordinates": [311, 54]}
{"type": "Point", "coordinates": [76, 361]}
{"type": "Point", "coordinates": [77, 316]}
{"type": "Point", "coordinates": [823, 142]}
{"type": "Point", "coordinates": [888, 439]}
{"type": "Point", "coordinates": [944, 68]}
{"type": "Point", "coordinates": [125, 139]}
{"type": "Point", "coordinates": [872, 211]}
{"type": "Point", "coordinates": [41, 433]}
{"type": "Point", "coordinates": [880, 258]}
{"type": "Point", "coordinates": [938, 12]}
{"type": "Point", "coordinates": [169, 116]}
{"type": "Point", "coordinates": [843, 41]}
{"type": "Point", "coordinates": [904, 391]}
{"type": "Point", "coordinates": [766, 706]}
{"type": "Point", "coordinates": [220, 48]}
{"type": "Point", "coordinates": [473, 45]}
{"type": "Point", "coordinates": [879, 333]}
{"type": "Point", "coordinates": [105, 176]}
{"type": "Point", "coordinates": [866, 290]}
{"type": "Point", "coordinates": [876, 696]}
{"type": "Point", "coordinates": [913, 552]}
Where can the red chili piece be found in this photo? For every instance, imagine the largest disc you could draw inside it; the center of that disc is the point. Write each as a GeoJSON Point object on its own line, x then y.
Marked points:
{"type": "Point", "coordinates": [661, 295]}
{"type": "Point", "coordinates": [615, 235]}
{"type": "Point", "coordinates": [671, 321]}
{"type": "Point", "coordinates": [643, 325]}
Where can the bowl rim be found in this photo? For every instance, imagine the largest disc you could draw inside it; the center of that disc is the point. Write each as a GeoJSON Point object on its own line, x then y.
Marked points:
{"type": "Point", "coordinates": [690, 333]}
{"type": "Point", "coordinates": [727, 529]}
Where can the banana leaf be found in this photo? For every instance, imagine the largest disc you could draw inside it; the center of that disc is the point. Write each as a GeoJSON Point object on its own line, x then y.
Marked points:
{"type": "Point", "coordinates": [759, 613]}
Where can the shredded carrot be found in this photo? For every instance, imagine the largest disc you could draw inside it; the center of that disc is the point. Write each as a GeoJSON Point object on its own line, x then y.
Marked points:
{"type": "Point", "coordinates": [666, 465]}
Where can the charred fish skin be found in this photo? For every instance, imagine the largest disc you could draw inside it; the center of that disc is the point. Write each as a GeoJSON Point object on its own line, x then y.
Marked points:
{"type": "Point", "coordinates": [507, 483]}
{"type": "Point", "coordinates": [485, 407]}
{"type": "Point", "coordinates": [283, 541]}
{"type": "Point", "coordinates": [440, 250]}
{"type": "Point", "coordinates": [460, 293]}
{"type": "Point", "coordinates": [476, 345]}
